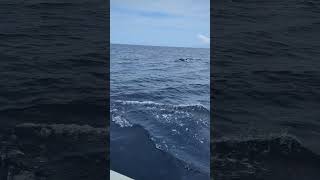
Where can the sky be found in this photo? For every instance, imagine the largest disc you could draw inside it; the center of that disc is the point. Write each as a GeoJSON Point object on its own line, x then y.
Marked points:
{"type": "Point", "coordinates": [177, 23]}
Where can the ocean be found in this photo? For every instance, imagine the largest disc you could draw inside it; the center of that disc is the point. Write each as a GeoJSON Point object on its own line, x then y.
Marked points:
{"type": "Point", "coordinates": [264, 104]}
{"type": "Point", "coordinates": [159, 103]}
{"type": "Point", "coordinates": [265, 89]}
{"type": "Point", "coordinates": [53, 89]}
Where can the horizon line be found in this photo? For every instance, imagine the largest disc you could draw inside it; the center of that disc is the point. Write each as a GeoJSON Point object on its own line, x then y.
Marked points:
{"type": "Point", "coordinates": [160, 46]}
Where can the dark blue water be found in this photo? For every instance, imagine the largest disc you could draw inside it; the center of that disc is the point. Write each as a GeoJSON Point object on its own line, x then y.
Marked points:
{"type": "Point", "coordinates": [53, 84]}
{"type": "Point", "coordinates": [266, 89]}
{"type": "Point", "coordinates": [163, 92]}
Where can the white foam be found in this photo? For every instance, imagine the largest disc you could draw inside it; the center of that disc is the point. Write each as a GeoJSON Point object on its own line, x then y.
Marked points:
{"type": "Point", "coordinates": [121, 121]}
{"type": "Point", "coordinates": [159, 104]}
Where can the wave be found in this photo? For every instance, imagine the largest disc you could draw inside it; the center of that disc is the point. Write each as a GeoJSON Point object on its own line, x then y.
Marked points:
{"type": "Point", "coordinates": [34, 151]}
{"type": "Point", "coordinates": [72, 130]}
{"type": "Point", "coordinates": [198, 106]}
{"type": "Point", "coordinates": [161, 164]}
{"type": "Point", "coordinates": [76, 112]}
{"type": "Point", "coordinates": [263, 157]}
{"type": "Point", "coordinates": [164, 111]}
{"type": "Point", "coordinates": [180, 130]}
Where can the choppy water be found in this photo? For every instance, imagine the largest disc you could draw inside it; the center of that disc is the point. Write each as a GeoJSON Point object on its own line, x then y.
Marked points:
{"type": "Point", "coordinates": [266, 89]}
{"type": "Point", "coordinates": [53, 78]}
{"type": "Point", "coordinates": [162, 92]}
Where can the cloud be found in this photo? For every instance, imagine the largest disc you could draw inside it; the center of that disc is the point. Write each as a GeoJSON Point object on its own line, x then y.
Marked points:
{"type": "Point", "coordinates": [189, 8]}
{"type": "Point", "coordinates": [160, 22]}
{"type": "Point", "coordinates": [204, 39]}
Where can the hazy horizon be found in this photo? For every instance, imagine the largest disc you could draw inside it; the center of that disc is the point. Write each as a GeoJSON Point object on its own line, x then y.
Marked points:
{"type": "Point", "coordinates": [159, 45]}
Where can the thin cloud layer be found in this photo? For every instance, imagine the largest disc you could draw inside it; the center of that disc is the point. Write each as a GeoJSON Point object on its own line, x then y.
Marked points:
{"type": "Point", "coordinates": [196, 8]}
{"type": "Point", "coordinates": [160, 22]}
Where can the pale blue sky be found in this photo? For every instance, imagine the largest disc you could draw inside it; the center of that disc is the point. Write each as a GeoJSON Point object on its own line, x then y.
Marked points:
{"type": "Point", "coordinates": [181, 23]}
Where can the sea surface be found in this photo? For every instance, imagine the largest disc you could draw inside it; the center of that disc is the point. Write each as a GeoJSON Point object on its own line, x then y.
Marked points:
{"type": "Point", "coordinates": [53, 85]}
{"type": "Point", "coordinates": [266, 89]}
{"type": "Point", "coordinates": [159, 103]}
